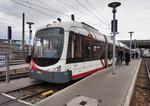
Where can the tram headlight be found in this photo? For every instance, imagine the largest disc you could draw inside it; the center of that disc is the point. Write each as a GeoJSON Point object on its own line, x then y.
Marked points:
{"type": "Point", "coordinates": [57, 69]}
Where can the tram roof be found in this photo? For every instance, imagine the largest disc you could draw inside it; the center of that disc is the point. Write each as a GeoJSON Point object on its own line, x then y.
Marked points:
{"type": "Point", "coordinates": [77, 27]}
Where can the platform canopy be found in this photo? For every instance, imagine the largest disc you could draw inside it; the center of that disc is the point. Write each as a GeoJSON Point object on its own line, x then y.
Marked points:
{"type": "Point", "coordinates": [139, 43]}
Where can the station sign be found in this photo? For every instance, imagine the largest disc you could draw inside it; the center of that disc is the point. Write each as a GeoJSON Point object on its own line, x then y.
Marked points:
{"type": "Point", "coordinates": [2, 60]}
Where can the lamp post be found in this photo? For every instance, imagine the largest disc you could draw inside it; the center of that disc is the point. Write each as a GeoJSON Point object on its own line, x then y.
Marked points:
{"type": "Point", "coordinates": [131, 42]}
{"type": "Point", "coordinates": [114, 5]}
{"type": "Point", "coordinates": [30, 35]}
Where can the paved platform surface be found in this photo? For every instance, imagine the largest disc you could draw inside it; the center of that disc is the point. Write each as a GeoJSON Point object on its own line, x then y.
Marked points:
{"type": "Point", "coordinates": [14, 67]}
{"type": "Point", "coordinates": [111, 90]}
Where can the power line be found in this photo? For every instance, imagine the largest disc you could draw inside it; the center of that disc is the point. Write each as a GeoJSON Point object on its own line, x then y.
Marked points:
{"type": "Point", "coordinates": [134, 12]}
{"type": "Point", "coordinates": [137, 19]}
{"type": "Point", "coordinates": [9, 21]}
{"type": "Point", "coordinates": [58, 11]}
{"type": "Point", "coordinates": [16, 15]}
{"type": "Point", "coordinates": [54, 10]}
{"type": "Point", "coordinates": [90, 12]}
{"type": "Point", "coordinates": [74, 8]}
{"type": "Point", "coordinates": [97, 10]}
{"type": "Point", "coordinates": [40, 7]}
{"type": "Point", "coordinates": [80, 11]}
{"type": "Point", "coordinates": [33, 9]}
{"type": "Point", "coordinates": [51, 10]}
{"type": "Point", "coordinates": [9, 13]}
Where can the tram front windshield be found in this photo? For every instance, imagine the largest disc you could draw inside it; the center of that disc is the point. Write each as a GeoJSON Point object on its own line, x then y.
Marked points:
{"type": "Point", "coordinates": [48, 44]}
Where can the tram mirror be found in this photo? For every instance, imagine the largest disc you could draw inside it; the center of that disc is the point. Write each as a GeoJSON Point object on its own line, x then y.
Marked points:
{"type": "Point", "coordinates": [28, 59]}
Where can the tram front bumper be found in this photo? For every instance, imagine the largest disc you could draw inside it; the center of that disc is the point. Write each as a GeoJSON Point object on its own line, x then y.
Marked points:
{"type": "Point", "coordinates": [52, 77]}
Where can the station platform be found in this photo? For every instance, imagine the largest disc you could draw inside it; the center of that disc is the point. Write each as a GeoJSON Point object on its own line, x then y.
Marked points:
{"type": "Point", "coordinates": [17, 84]}
{"type": "Point", "coordinates": [99, 89]}
{"type": "Point", "coordinates": [14, 68]}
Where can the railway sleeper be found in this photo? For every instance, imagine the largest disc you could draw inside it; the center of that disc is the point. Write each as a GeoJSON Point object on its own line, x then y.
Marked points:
{"type": "Point", "coordinates": [26, 97]}
{"type": "Point", "coordinates": [143, 87]}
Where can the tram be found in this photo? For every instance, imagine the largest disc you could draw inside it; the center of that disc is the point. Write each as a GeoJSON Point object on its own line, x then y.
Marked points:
{"type": "Point", "coordinates": [71, 50]}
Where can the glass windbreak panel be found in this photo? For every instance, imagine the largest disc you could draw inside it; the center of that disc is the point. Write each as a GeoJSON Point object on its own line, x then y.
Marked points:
{"type": "Point", "coordinates": [48, 45]}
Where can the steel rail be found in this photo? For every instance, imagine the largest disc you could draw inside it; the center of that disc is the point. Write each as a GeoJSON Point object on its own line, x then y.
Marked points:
{"type": "Point", "coordinates": [147, 67]}
{"type": "Point", "coordinates": [15, 75]}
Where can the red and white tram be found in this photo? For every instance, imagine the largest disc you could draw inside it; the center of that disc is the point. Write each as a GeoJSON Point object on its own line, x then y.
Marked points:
{"type": "Point", "coordinates": [67, 51]}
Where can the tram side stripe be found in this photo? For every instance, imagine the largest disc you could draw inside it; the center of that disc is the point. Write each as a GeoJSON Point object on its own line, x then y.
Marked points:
{"type": "Point", "coordinates": [33, 66]}
{"type": "Point", "coordinates": [94, 35]}
{"type": "Point", "coordinates": [86, 73]}
{"type": "Point", "coordinates": [102, 63]}
{"type": "Point", "coordinates": [90, 34]}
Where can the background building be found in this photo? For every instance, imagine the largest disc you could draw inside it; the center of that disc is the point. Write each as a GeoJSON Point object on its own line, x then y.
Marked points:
{"type": "Point", "coordinates": [15, 48]}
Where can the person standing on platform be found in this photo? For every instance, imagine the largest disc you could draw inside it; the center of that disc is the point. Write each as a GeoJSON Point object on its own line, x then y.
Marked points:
{"type": "Point", "coordinates": [137, 55]}
{"type": "Point", "coordinates": [120, 56]}
{"type": "Point", "coordinates": [127, 58]}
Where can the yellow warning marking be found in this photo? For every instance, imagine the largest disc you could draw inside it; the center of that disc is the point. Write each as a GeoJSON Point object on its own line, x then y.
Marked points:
{"type": "Point", "coordinates": [47, 93]}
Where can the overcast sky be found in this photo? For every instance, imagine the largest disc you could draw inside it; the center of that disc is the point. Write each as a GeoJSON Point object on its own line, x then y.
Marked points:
{"type": "Point", "coordinates": [132, 15]}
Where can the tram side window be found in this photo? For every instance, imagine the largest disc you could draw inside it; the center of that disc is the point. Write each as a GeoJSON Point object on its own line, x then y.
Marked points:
{"type": "Point", "coordinates": [78, 47]}
{"type": "Point", "coordinates": [110, 51]}
{"type": "Point", "coordinates": [102, 53]}
{"type": "Point", "coordinates": [95, 47]}
{"type": "Point", "coordinates": [70, 52]}
{"type": "Point", "coordinates": [88, 51]}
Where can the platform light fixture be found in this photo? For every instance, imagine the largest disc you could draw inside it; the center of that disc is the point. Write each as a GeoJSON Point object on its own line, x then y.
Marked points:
{"type": "Point", "coordinates": [131, 32]}
{"type": "Point", "coordinates": [30, 35]}
{"type": "Point", "coordinates": [114, 5]}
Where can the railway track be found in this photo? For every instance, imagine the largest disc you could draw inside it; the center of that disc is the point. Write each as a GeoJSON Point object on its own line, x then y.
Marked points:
{"type": "Point", "coordinates": [16, 62]}
{"type": "Point", "coordinates": [142, 86]}
{"type": "Point", "coordinates": [15, 75]}
{"type": "Point", "coordinates": [32, 94]}
{"type": "Point", "coordinates": [147, 63]}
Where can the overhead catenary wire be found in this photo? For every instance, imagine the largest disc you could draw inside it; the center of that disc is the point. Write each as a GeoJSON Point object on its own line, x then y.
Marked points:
{"type": "Point", "coordinates": [97, 11]}
{"type": "Point", "coordinates": [83, 13]}
{"type": "Point", "coordinates": [91, 12]}
{"type": "Point", "coordinates": [9, 21]}
{"type": "Point", "coordinates": [19, 16]}
{"type": "Point", "coordinates": [39, 10]}
{"type": "Point", "coordinates": [48, 9]}
{"type": "Point", "coordinates": [134, 12]}
{"type": "Point", "coordinates": [75, 8]}
{"type": "Point", "coordinates": [137, 19]}
{"type": "Point", "coordinates": [33, 9]}
{"type": "Point", "coordinates": [53, 9]}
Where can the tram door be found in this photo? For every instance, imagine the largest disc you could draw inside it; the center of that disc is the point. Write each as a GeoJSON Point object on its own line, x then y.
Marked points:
{"type": "Point", "coordinates": [78, 53]}
{"type": "Point", "coordinates": [74, 54]}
